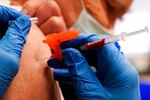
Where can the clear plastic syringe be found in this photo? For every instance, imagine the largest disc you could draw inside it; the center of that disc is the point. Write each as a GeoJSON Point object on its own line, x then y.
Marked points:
{"type": "Point", "coordinates": [101, 42]}
{"type": "Point", "coordinates": [124, 35]}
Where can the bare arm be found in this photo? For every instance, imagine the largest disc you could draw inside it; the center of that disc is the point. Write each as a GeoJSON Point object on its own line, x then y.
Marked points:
{"type": "Point", "coordinates": [34, 80]}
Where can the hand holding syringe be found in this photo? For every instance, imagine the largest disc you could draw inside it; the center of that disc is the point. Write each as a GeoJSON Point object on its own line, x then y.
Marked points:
{"type": "Point", "coordinates": [123, 36]}
{"type": "Point", "coordinates": [54, 41]}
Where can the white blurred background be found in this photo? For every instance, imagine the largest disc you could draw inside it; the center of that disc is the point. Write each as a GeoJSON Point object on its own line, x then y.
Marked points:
{"type": "Point", "coordinates": [137, 48]}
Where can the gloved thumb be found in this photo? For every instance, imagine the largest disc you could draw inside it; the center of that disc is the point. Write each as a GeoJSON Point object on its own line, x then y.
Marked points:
{"type": "Point", "coordinates": [15, 36]}
{"type": "Point", "coordinates": [86, 84]}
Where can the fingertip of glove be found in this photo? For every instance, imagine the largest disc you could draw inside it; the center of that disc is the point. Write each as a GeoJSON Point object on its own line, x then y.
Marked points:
{"type": "Point", "coordinates": [53, 63]}
{"type": "Point", "coordinates": [9, 13]}
{"type": "Point", "coordinates": [72, 56]}
{"type": "Point", "coordinates": [24, 21]}
{"type": "Point", "coordinates": [22, 25]}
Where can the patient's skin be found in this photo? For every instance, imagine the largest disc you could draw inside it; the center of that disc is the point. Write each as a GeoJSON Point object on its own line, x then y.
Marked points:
{"type": "Point", "coordinates": [50, 20]}
{"type": "Point", "coordinates": [34, 80]}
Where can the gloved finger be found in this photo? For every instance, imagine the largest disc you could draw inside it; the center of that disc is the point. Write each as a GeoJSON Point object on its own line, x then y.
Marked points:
{"type": "Point", "coordinates": [81, 40]}
{"type": "Point", "coordinates": [7, 14]}
{"type": "Point", "coordinates": [54, 63]}
{"type": "Point", "coordinates": [60, 73]}
{"type": "Point", "coordinates": [15, 36]}
{"type": "Point", "coordinates": [84, 80]}
{"type": "Point", "coordinates": [90, 54]}
{"type": "Point", "coordinates": [85, 38]}
{"type": "Point", "coordinates": [63, 76]}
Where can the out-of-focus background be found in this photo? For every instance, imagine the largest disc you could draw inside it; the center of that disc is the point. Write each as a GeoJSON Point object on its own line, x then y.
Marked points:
{"type": "Point", "coordinates": [137, 48]}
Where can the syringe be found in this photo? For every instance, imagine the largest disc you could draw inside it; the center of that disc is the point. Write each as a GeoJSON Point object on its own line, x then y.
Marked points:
{"type": "Point", "coordinates": [101, 42]}
{"type": "Point", "coordinates": [34, 20]}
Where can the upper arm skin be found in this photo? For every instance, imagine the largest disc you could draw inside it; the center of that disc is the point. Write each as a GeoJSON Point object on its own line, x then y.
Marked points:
{"type": "Point", "coordinates": [34, 80]}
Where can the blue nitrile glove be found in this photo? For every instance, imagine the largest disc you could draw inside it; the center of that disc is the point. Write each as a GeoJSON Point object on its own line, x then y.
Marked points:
{"type": "Point", "coordinates": [117, 77]}
{"type": "Point", "coordinates": [11, 44]}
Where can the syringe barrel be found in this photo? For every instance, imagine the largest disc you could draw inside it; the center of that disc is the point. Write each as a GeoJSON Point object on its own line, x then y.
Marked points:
{"type": "Point", "coordinates": [137, 32]}
{"type": "Point", "coordinates": [124, 35]}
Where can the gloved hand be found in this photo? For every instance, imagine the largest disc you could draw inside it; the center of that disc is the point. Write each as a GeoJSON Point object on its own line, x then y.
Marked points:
{"type": "Point", "coordinates": [11, 44]}
{"type": "Point", "coordinates": [116, 77]}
